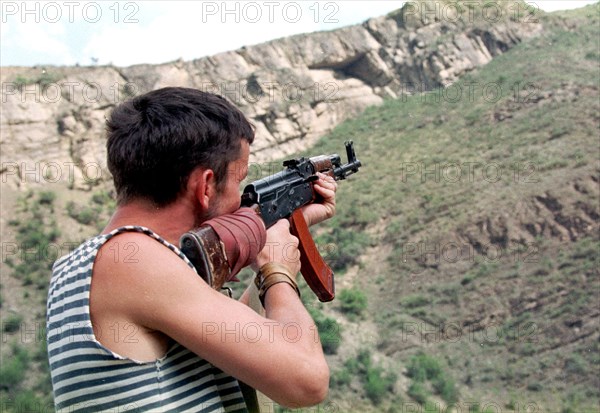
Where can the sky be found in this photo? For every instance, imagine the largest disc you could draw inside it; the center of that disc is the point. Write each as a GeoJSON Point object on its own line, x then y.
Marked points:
{"type": "Point", "coordinates": [125, 33]}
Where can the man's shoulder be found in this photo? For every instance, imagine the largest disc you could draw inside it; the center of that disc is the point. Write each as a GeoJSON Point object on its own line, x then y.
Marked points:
{"type": "Point", "coordinates": [134, 252]}
{"type": "Point", "coordinates": [74, 253]}
{"type": "Point", "coordinates": [130, 269]}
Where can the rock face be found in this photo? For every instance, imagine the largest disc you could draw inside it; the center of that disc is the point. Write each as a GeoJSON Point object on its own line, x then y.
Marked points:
{"type": "Point", "coordinates": [293, 89]}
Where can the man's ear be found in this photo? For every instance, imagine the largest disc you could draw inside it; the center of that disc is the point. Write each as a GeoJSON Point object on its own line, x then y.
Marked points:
{"type": "Point", "coordinates": [204, 187]}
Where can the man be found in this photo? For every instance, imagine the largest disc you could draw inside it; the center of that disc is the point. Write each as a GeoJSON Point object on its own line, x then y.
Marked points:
{"type": "Point", "coordinates": [131, 326]}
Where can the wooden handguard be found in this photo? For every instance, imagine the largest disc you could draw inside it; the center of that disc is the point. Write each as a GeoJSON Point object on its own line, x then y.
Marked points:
{"type": "Point", "coordinates": [315, 270]}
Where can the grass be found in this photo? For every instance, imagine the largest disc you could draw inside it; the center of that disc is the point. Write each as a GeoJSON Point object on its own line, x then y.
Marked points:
{"type": "Point", "coordinates": [377, 381]}
{"type": "Point", "coordinates": [13, 372]}
{"type": "Point", "coordinates": [36, 236]}
{"type": "Point", "coordinates": [412, 150]}
{"type": "Point", "coordinates": [353, 303]}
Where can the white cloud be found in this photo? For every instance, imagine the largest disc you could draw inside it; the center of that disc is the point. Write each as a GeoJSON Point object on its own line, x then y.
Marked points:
{"type": "Point", "coordinates": [163, 31]}
{"type": "Point", "coordinates": [35, 42]}
{"type": "Point", "coordinates": [187, 30]}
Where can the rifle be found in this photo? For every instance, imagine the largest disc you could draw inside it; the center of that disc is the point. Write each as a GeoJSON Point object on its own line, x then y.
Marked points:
{"type": "Point", "coordinates": [283, 194]}
{"type": "Point", "coordinates": [275, 197]}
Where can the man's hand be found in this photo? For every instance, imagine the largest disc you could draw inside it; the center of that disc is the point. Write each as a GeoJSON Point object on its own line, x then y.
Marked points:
{"type": "Point", "coordinates": [318, 212]}
{"type": "Point", "coordinates": [281, 247]}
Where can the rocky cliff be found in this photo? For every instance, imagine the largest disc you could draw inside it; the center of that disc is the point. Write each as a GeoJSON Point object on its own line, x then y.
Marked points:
{"type": "Point", "coordinates": [293, 89]}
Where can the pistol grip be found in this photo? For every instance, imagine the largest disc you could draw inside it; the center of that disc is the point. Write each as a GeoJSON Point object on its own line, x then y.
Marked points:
{"type": "Point", "coordinates": [315, 270]}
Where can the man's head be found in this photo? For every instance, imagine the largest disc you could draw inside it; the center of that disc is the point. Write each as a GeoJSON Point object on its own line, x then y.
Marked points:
{"type": "Point", "coordinates": [156, 140]}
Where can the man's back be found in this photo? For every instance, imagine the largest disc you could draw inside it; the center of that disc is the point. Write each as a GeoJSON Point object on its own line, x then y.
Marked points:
{"type": "Point", "coordinates": [86, 376]}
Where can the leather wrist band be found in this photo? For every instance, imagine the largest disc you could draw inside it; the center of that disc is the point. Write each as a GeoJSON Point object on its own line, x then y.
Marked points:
{"type": "Point", "coordinates": [271, 274]}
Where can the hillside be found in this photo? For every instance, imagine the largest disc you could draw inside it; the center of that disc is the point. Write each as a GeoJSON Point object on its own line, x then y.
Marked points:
{"type": "Point", "coordinates": [465, 250]}
{"type": "Point", "coordinates": [482, 222]}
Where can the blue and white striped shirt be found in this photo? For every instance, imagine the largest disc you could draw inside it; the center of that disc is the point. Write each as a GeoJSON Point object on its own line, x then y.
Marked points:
{"type": "Point", "coordinates": [88, 377]}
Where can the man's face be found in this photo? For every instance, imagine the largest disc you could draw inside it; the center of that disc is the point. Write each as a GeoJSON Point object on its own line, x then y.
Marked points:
{"type": "Point", "coordinates": [229, 196]}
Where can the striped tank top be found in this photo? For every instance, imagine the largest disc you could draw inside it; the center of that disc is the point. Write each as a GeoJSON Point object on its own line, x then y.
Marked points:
{"type": "Point", "coordinates": [88, 377]}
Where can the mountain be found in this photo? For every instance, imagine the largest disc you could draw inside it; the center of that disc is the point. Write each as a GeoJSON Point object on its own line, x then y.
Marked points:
{"type": "Point", "coordinates": [293, 89]}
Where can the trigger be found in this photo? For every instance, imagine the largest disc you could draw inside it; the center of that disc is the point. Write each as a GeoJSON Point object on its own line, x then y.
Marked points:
{"type": "Point", "coordinates": [311, 178]}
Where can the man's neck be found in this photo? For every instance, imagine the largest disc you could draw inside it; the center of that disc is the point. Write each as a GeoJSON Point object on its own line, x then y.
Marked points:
{"type": "Point", "coordinates": [169, 222]}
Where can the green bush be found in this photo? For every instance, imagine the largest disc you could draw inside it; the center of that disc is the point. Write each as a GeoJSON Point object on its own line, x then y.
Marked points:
{"type": "Point", "coordinates": [534, 387]}
{"type": "Point", "coordinates": [418, 392]}
{"type": "Point", "coordinates": [349, 244]}
{"type": "Point", "coordinates": [329, 331]}
{"type": "Point", "coordinates": [446, 388]}
{"type": "Point", "coordinates": [82, 214]}
{"type": "Point", "coordinates": [46, 197]}
{"type": "Point", "coordinates": [13, 369]}
{"type": "Point", "coordinates": [414, 301]}
{"type": "Point", "coordinates": [378, 384]}
{"type": "Point", "coordinates": [44, 79]}
{"type": "Point", "coordinates": [330, 335]}
{"type": "Point", "coordinates": [12, 323]}
{"type": "Point", "coordinates": [35, 232]}
{"type": "Point", "coordinates": [340, 378]}
{"type": "Point", "coordinates": [353, 302]}
{"type": "Point", "coordinates": [103, 198]}
{"type": "Point", "coordinates": [423, 367]}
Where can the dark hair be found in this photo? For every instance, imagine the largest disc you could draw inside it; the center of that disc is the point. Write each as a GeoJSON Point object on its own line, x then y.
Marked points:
{"type": "Point", "coordinates": [157, 139]}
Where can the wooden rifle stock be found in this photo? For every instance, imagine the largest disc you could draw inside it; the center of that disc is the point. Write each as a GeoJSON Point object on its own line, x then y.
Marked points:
{"type": "Point", "coordinates": [315, 270]}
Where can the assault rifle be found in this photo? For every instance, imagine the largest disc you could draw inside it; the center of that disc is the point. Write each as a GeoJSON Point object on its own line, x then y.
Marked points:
{"type": "Point", "coordinates": [220, 248]}
{"type": "Point", "coordinates": [283, 194]}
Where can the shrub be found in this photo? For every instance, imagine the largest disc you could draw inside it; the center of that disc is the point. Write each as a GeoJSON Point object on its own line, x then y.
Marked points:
{"type": "Point", "coordinates": [340, 378]}
{"type": "Point", "coordinates": [414, 301]}
{"type": "Point", "coordinates": [445, 387]}
{"type": "Point", "coordinates": [378, 383]}
{"type": "Point", "coordinates": [423, 367]}
{"type": "Point", "coordinates": [329, 331]}
{"type": "Point", "coordinates": [330, 335]}
{"type": "Point", "coordinates": [349, 244]}
{"type": "Point", "coordinates": [84, 215]}
{"type": "Point", "coordinates": [35, 232]}
{"type": "Point", "coordinates": [103, 198]}
{"type": "Point", "coordinates": [418, 392]}
{"type": "Point", "coordinates": [13, 369]}
{"type": "Point", "coordinates": [46, 197]}
{"type": "Point", "coordinates": [12, 323]}
{"type": "Point", "coordinates": [353, 302]}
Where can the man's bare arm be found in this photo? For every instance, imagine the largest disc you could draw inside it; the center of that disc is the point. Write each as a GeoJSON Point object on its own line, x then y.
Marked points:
{"type": "Point", "coordinates": [279, 355]}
